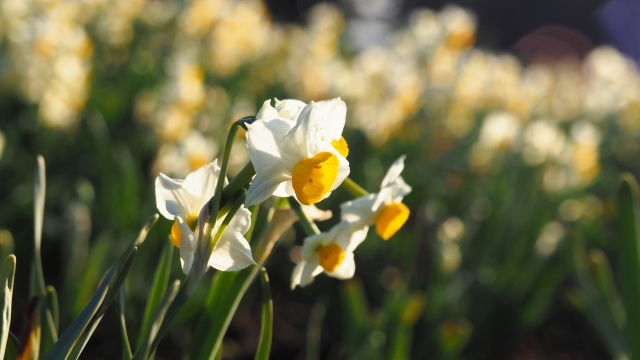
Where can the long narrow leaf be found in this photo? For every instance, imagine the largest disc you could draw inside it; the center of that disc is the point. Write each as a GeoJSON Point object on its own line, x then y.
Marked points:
{"type": "Point", "coordinates": [122, 269]}
{"type": "Point", "coordinates": [158, 288]}
{"type": "Point", "coordinates": [630, 261]}
{"type": "Point", "coordinates": [264, 344]}
{"type": "Point", "coordinates": [126, 347]}
{"type": "Point", "coordinates": [62, 349]}
{"type": "Point", "coordinates": [13, 348]}
{"type": "Point", "coordinates": [39, 197]}
{"type": "Point", "coordinates": [147, 347]}
{"type": "Point", "coordinates": [604, 322]}
{"type": "Point", "coordinates": [7, 274]}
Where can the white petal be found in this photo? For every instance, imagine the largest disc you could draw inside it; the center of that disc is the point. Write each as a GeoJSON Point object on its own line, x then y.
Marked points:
{"type": "Point", "coordinates": [311, 243]}
{"type": "Point", "coordinates": [267, 111]}
{"type": "Point", "coordinates": [231, 253]}
{"type": "Point", "coordinates": [289, 108]}
{"type": "Point", "coordinates": [333, 114]}
{"type": "Point", "coordinates": [346, 269]}
{"type": "Point", "coordinates": [264, 185]}
{"type": "Point", "coordinates": [394, 172]}
{"type": "Point", "coordinates": [264, 139]}
{"type": "Point", "coordinates": [241, 221]}
{"type": "Point", "coordinates": [171, 199]}
{"type": "Point", "coordinates": [297, 274]}
{"type": "Point", "coordinates": [349, 235]}
{"type": "Point", "coordinates": [285, 189]}
{"type": "Point", "coordinates": [310, 270]}
{"type": "Point", "coordinates": [202, 184]}
{"type": "Point", "coordinates": [316, 214]}
{"type": "Point", "coordinates": [187, 246]}
{"type": "Point", "coordinates": [361, 210]}
{"type": "Point", "coordinates": [303, 138]}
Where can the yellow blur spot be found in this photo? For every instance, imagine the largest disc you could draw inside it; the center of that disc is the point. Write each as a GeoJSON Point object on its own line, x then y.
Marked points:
{"type": "Point", "coordinates": [331, 256]}
{"type": "Point", "coordinates": [391, 219]}
{"type": "Point", "coordinates": [312, 178]}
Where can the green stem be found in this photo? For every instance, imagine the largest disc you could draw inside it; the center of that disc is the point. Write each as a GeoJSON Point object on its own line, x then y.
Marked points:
{"type": "Point", "coordinates": [215, 206]}
{"type": "Point", "coordinates": [309, 226]}
{"type": "Point", "coordinates": [353, 188]}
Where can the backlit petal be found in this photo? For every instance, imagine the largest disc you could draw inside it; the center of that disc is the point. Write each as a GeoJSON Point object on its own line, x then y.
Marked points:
{"type": "Point", "coordinates": [231, 253]}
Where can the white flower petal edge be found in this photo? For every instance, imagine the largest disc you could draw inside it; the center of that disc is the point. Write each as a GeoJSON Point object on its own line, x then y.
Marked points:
{"type": "Point", "coordinates": [233, 251]}
{"type": "Point", "coordinates": [176, 197]}
{"type": "Point", "coordinates": [365, 209]}
{"type": "Point", "coordinates": [187, 246]}
{"type": "Point", "coordinates": [394, 180]}
{"type": "Point", "coordinates": [346, 236]}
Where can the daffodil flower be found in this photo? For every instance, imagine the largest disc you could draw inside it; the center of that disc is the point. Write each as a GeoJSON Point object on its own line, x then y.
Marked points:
{"type": "Point", "coordinates": [385, 208]}
{"type": "Point", "coordinates": [334, 112]}
{"type": "Point", "coordinates": [331, 252]}
{"type": "Point", "coordinates": [182, 201]}
{"type": "Point", "coordinates": [297, 158]}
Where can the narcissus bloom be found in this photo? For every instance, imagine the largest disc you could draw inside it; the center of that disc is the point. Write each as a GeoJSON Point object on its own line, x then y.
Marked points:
{"type": "Point", "coordinates": [182, 200]}
{"type": "Point", "coordinates": [385, 208]}
{"type": "Point", "coordinates": [297, 157]}
{"type": "Point", "coordinates": [331, 252]}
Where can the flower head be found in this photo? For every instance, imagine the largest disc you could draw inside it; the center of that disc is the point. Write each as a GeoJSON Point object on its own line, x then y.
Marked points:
{"type": "Point", "coordinates": [297, 157]}
{"type": "Point", "coordinates": [385, 208]}
{"type": "Point", "coordinates": [182, 201]}
{"type": "Point", "coordinates": [331, 252]}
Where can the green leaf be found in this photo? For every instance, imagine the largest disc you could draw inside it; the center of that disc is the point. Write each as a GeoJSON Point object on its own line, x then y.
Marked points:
{"type": "Point", "coordinates": [39, 198]}
{"type": "Point", "coordinates": [62, 349]}
{"type": "Point", "coordinates": [314, 329]}
{"type": "Point", "coordinates": [52, 304]}
{"type": "Point", "coordinates": [13, 348]}
{"type": "Point", "coordinates": [630, 260]}
{"type": "Point", "coordinates": [122, 269]}
{"type": "Point", "coordinates": [126, 347]}
{"type": "Point", "coordinates": [215, 321]}
{"type": "Point", "coordinates": [7, 274]}
{"type": "Point", "coordinates": [603, 280]}
{"type": "Point", "coordinates": [158, 288]}
{"type": "Point", "coordinates": [149, 343]}
{"type": "Point", "coordinates": [264, 344]}
{"type": "Point", "coordinates": [603, 321]}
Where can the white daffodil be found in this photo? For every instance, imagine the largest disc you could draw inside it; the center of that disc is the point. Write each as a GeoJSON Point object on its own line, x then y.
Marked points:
{"type": "Point", "coordinates": [334, 112]}
{"type": "Point", "coordinates": [331, 252]}
{"type": "Point", "coordinates": [385, 208]}
{"type": "Point", "coordinates": [297, 158]}
{"type": "Point", "coordinates": [182, 200]}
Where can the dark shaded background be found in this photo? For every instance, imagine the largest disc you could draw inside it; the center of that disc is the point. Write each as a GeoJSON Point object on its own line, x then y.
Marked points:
{"type": "Point", "coordinates": [556, 28]}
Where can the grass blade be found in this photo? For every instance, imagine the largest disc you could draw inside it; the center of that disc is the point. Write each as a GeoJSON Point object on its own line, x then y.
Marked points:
{"type": "Point", "coordinates": [264, 344]}
{"type": "Point", "coordinates": [630, 260]}
{"type": "Point", "coordinates": [62, 349]}
{"type": "Point", "coordinates": [7, 274]}
{"type": "Point", "coordinates": [158, 288]}
{"type": "Point", "coordinates": [149, 341]}
{"type": "Point", "coordinates": [126, 347]}
{"type": "Point", "coordinates": [39, 198]}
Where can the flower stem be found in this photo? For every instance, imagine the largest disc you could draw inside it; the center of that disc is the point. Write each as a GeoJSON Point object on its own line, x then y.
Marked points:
{"type": "Point", "coordinates": [353, 188]}
{"type": "Point", "coordinates": [215, 206]}
{"type": "Point", "coordinates": [309, 226]}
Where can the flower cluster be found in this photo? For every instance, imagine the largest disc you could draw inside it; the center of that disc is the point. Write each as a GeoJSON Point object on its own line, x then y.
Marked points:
{"type": "Point", "coordinates": [296, 151]}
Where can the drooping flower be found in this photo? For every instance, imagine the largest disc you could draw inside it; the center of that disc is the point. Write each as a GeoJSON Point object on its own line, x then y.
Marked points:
{"type": "Point", "coordinates": [182, 200]}
{"type": "Point", "coordinates": [385, 208]}
{"type": "Point", "coordinates": [297, 158]}
{"type": "Point", "coordinates": [331, 252]}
